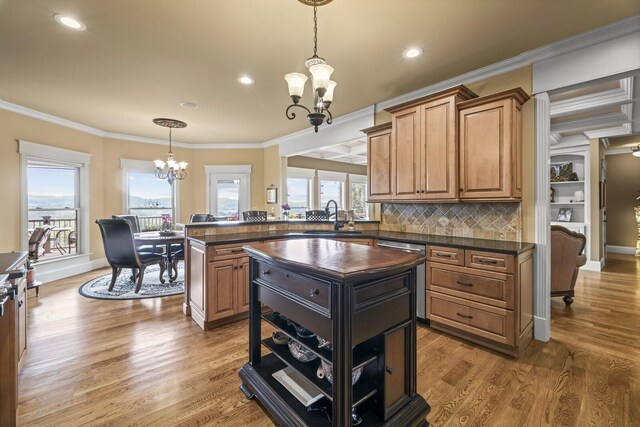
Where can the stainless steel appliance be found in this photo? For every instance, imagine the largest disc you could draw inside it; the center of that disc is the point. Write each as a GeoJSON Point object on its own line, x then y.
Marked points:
{"type": "Point", "coordinates": [421, 281]}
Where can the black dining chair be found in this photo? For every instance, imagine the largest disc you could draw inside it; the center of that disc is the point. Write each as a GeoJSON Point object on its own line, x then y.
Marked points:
{"type": "Point", "coordinates": [132, 219]}
{"type": "Point", "coordinates": [202, 218]}
{"type": "Point", "coordinates": [316, 215]}
{"type": "Point", "coordinates": [257, 216]}
{"type": "Point", "coordinates": [175, 258]}
{"type": "Point", "coordinates": [120, 250]}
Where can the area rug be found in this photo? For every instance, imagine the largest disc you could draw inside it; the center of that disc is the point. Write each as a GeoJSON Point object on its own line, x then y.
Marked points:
{"type": "Point", "coordinates": [125, 288]}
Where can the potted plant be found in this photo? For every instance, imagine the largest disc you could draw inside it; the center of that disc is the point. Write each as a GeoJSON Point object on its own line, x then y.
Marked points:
{"type": "Point", "coordinates": [285, 211]}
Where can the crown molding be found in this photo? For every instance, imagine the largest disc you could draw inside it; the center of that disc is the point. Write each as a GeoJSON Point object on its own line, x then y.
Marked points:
{"type": "Point", "coordinates": [626, 150]}
{"type": "Point", "coordinates": [619, 96]}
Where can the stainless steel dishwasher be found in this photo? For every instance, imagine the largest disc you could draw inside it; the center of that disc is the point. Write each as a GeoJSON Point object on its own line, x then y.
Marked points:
{"type": "Point", "coordinates": [421, 280]}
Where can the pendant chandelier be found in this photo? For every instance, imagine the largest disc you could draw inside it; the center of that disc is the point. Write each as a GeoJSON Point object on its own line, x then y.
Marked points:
{"type": "Point", "coordinates": [322, 86]}
{"type": "Point", "coordinates": [170, 170]}
{"type": "Point", "coordinates": [636, 151]}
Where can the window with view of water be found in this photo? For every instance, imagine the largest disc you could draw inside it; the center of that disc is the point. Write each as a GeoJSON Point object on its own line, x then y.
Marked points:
{"type": "Point", "coordinates": [149, 198]}
{"type": "Point", "coordinates": [228, 198]}
{"type": "Point", "coordinates": [53, 209]}
{"type": "Point", "coordinates": [331, 190]}
{"type": "Point", "coordinates": [298, 195]}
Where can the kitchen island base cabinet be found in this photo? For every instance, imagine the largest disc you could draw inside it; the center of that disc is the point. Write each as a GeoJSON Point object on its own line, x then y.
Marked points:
{"type": "Point", "coordinates": [364, 308]}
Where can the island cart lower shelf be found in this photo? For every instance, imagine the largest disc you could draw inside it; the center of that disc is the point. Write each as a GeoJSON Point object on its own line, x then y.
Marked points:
{"type": "Point", "coordinates": [359, 298]}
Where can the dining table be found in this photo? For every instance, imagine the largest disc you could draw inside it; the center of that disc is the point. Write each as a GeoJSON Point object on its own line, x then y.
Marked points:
{"type": "Point", "coordinates": [156, 238]}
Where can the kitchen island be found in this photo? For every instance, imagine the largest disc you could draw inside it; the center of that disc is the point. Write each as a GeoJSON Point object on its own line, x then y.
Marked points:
{"type": "Point", "coordinates": [360, 300]}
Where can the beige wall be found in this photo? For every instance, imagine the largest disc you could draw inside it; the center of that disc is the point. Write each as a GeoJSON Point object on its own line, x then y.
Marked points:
{"type": "Point", "coordinates": [596, 153]}
{"type": "Point", "coordinates": [105, 174]}
{"type": "Point", "coordinates": [518, 78]}
{"type": "Point", "coordinates": [325, 165]}
{"type": "Point", "coordinates": [623, 186]}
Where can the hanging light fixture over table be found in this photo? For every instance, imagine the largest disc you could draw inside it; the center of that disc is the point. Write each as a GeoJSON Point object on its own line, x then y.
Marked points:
{"type": "Point", "coordinates": [636, 151]}
{"type": "Point", "coordinates": [170, 170]}
{"type": "Point", "coordinates": [320, 71]}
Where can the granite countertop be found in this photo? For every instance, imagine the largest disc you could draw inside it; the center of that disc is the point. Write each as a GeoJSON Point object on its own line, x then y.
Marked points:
{"type": "Point", "coordinates": [330, 258]}
{"type": "Point", "coordinates": [500, 246]}
{"type": "Point", "coordinates": [270, 221]}
{"type": "Point", "coordinates": [11, 262]}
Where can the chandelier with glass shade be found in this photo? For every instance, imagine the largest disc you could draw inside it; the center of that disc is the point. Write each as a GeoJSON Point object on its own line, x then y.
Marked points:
{"type": "Point", "coordinates": [321, 82]}
{"type": "Point", "coordinates": [171, 169]}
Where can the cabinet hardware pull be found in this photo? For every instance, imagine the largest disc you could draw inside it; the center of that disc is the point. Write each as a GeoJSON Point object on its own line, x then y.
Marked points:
{"type": "Point", "coordinates": [235, 251]}
{"type": "Point", "coordinates": [242, 266]}
{"type": "Point", "coordinates": [487, 261]}
{"type": "Point", "coordinates": [266, 272]}
{"type": "Point", "coordinates": [422, 191]}
{"type": "Point", "coordinates": [20, 303]}
{"type": "Point", "coordinates": [417, 191]}
{"type": "Point", "coordinates": [441, 255]}
{"type": "Point", "coordinates": [286, 275]}
{"type": "Point", "coordinates": [314, 292]}
{"type": "Point", "coordinates": [389, 370]}
{"type": "Point", "coordinates": [464, 284]}
{"type": "Point", "coordinates": [235, 267]}
{"type": "Point", "coordinates": [460, 189]}
{"type": "Point", "coordinates": [466, 316]}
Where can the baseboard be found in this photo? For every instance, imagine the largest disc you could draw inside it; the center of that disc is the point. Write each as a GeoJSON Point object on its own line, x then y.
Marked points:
{"type": "Point", "coordinates": [593, 265]}
{"type": "Point", "coordinates": [67, 267]}
{"type": "Point", "coordinates": [541, 330]}
{"type": "Point", "coordinates": [627, 250]}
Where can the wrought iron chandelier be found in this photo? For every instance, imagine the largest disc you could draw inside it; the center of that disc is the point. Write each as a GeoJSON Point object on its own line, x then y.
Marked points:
{"type": "Point", "coordinates": [320, 71]}
{"type": "Point", "coordinates": [170, 170]}
{"type": "Point", "coordinates": [636, 151]}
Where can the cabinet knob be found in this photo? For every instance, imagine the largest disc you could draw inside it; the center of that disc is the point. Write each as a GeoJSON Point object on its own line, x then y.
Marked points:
{"type": "Point", "coordinates": [389, 370]}
{"type": "Point", "coordinates": [242, 266]}
{"type": "Point", "coordinates": [314, 292]}
{"type": "Point", "coordinates": [422, 191]}
{"type": "Point", "coordinates": [460, 189]}
{"type": "Point", "coordinates": [266, 272]}
{"type": "Point", "coordinates": [417, 191]}
{"type": "Point", "coordinates": [20, 303]}
{"type": "Point", "coordinates": [286, 275]}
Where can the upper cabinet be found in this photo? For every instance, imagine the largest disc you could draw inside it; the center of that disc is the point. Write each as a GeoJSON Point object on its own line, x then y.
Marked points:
{"type": "Point", "coordinates": [448, 146]}
{"type": "Point", "coordinates": [491, 146]}
{"type": "Point", "coordinates": [379, 173]}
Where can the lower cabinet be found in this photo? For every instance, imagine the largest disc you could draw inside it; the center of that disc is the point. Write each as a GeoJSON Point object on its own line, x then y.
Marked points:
{"type": "Point", "coordinates": [396, 381]}
{"type": "Point", "coordinates": [218, 283]}
{"type": "Point", "coordinates": [21, 319]}
{"type": "Point", "coordinates": [481, 296]}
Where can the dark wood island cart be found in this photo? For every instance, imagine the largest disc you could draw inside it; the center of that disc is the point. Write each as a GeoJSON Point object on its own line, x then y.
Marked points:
{"type": "Point", "coordinates": [362, 300]}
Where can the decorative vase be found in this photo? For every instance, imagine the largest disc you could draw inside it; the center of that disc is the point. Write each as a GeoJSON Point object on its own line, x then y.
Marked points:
{"type": "Point", "coordinates": [285, 215]}
{"type": "Point", "coordinates": [166, 226]}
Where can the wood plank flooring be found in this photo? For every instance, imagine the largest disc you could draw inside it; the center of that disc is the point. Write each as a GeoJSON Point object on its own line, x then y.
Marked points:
{"type": "Point", "coordinates": [141, 363]}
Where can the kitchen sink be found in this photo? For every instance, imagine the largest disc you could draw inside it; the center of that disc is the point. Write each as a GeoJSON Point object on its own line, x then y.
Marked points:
{"type": "Point", "coordinates": [331, 232]}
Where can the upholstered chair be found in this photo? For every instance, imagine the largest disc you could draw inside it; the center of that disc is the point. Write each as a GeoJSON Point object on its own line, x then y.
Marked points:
{"type": "Point", "coordinates": [37, 239]}
{"type": "Point", "coordinates": [201, 218]}
{"type": "Point", "coordinates": [317, 215]}
{"type": "Point", "coordinates": [566, 260]}
{"type": "Point", "coordinates": [254, 215]}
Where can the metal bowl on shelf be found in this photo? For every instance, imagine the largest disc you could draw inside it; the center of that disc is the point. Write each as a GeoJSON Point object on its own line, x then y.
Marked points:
{"type": "Point", "coordinates": [300, 352]}
{"type": "Point", "coordinates": [328, 373]}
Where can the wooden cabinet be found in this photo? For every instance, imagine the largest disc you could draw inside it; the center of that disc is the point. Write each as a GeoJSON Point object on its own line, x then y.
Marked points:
{"type": "Point", "coordinates": [491, 146]}
{"type": "Point", "coordinates": [21, 318]}
{"type": "Point", "coordinates": [379, 161]}
{"type": "Point", "coordinates": [424, 148]}
{"type": "Point", "coordinates": [485, 297]}
{"type": "Point", "coordinates": [218, 283]}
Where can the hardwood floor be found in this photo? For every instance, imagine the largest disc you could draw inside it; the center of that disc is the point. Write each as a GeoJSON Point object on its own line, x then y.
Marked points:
{"type": "Point", "coordinates": [115, 363]}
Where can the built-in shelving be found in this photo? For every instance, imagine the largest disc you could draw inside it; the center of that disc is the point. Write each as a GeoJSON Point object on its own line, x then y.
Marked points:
{"type": "Point", "coordinates": [566, 182]}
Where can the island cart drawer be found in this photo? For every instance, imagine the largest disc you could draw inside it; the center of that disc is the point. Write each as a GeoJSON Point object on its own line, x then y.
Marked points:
{"type": "Point", "coordinates": [482, 320]}
{"type": "Point", "coordinates": [302, 286]}
{"type": "Point", "coordinates": [490, 261]}
{"type": "Point", "coordinates": [486, 287]}
{"type": "Point", "coordinates": [445, 255]}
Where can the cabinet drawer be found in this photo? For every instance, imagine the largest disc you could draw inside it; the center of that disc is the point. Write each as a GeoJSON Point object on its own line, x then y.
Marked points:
{"type": "Point", "coordinates": [489, 322]}
{"type": "Point", "coordinates": [445, 255]}
{"type": "Point", "coordinates": [230, 251]}
{"type": "Point", "coordinates": [304, 287]}
{"type": "Point", "coordinates": [489, 261]}
{"type": "Point", "coordinates": [367, 242]}
{"type": "Point", "coordinates": [462, 282]}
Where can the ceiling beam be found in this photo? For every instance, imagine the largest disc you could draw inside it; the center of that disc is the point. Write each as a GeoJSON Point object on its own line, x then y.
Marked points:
{"type": "Point", "coordinates": [589, 123]}
{"type": "Point", "coordinates": [595, 101]}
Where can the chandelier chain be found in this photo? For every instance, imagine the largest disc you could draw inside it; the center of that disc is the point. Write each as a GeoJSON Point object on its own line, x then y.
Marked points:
{"type": "Point", "coordinates": [315, 29]}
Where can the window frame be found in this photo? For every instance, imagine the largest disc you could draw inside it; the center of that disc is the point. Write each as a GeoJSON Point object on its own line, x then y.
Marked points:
{"type": "Point", "coordinates": [31, 151]}
{"type": "Point", "coordinates": [144, 166]}
{"type": "Point", "coordinates": [333, 176]}
{"type": "Point", "coordinates": [239, 172]}
{"type": "Point", "coordinates": [359, 179]}
{"type": "Point", "coordinates": [300, 173]}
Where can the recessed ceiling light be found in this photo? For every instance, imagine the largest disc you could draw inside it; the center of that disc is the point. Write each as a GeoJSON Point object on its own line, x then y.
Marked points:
{"type": "Point", "coordinates": [412, 52]}
{"type": "Point", "coordinates": [69, 22]}
{"type": "Point", "coordinates": [245, 80]}
{"type": "Point", "coordinates": [189, 105]}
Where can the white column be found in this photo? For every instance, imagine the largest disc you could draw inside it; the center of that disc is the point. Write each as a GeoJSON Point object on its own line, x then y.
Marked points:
{"type": "Point", "coordinates": [542, 271]}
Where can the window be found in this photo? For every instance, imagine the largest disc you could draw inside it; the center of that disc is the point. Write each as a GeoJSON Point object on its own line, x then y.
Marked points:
{"type": "Point", "coordinates": [298, 195]}
{"type": "Point", "coordinates": [332, 187]}
{"type": "Point", "coordinates": [358, 196]}
{"type": "Point", "coordinates": [54, 195]}
{"type": "Point", "coordinates": [145, 195]}
{"type": "Point", "coordinates": [228, 190]}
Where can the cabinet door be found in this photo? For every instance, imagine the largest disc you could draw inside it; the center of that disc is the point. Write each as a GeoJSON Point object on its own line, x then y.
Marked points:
{"type": "Point", "coordinates": [439, 176]}
{"type": "Point", "coordinates": [380, 165]}
{"type": "Point", "coordinates": [242, 284]}
{"type": "Point", "coordinates": [197, 275]}
{"type": "Point", "coordinates": [221, 278]}
{"type": "Point", "coordinates": [406, 146]}
{"type": "Point", "coordinates": [396, 370]}
{"type": "Point", "coordinates": [485, 151]}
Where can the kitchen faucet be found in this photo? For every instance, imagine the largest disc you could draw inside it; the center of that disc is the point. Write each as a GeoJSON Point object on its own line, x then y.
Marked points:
{"type": "Point", "coordinates": [336, 225]}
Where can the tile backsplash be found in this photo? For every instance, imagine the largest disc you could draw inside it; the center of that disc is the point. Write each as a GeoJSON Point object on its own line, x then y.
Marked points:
{"type": "Point", "coordinates": [496, 221]}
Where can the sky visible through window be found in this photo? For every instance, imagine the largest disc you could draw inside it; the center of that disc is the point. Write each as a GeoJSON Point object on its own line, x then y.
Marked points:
{"type": "Point", "coordinates": [50, 188]}
{"type": "Point", "coordinates": [298, 194]}
{"type": "Point", "coordinates": [149, 195]}
{"type": "Point", "coordinates": [330, 190]}
{"type": "Point", "coordinates": [228, 197]}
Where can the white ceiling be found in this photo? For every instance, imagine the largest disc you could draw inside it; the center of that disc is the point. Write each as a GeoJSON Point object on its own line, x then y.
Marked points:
{"type": "Point", "coordinates": [140, 59]}
{"type": "Point", "coordinates": [354, 152]}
